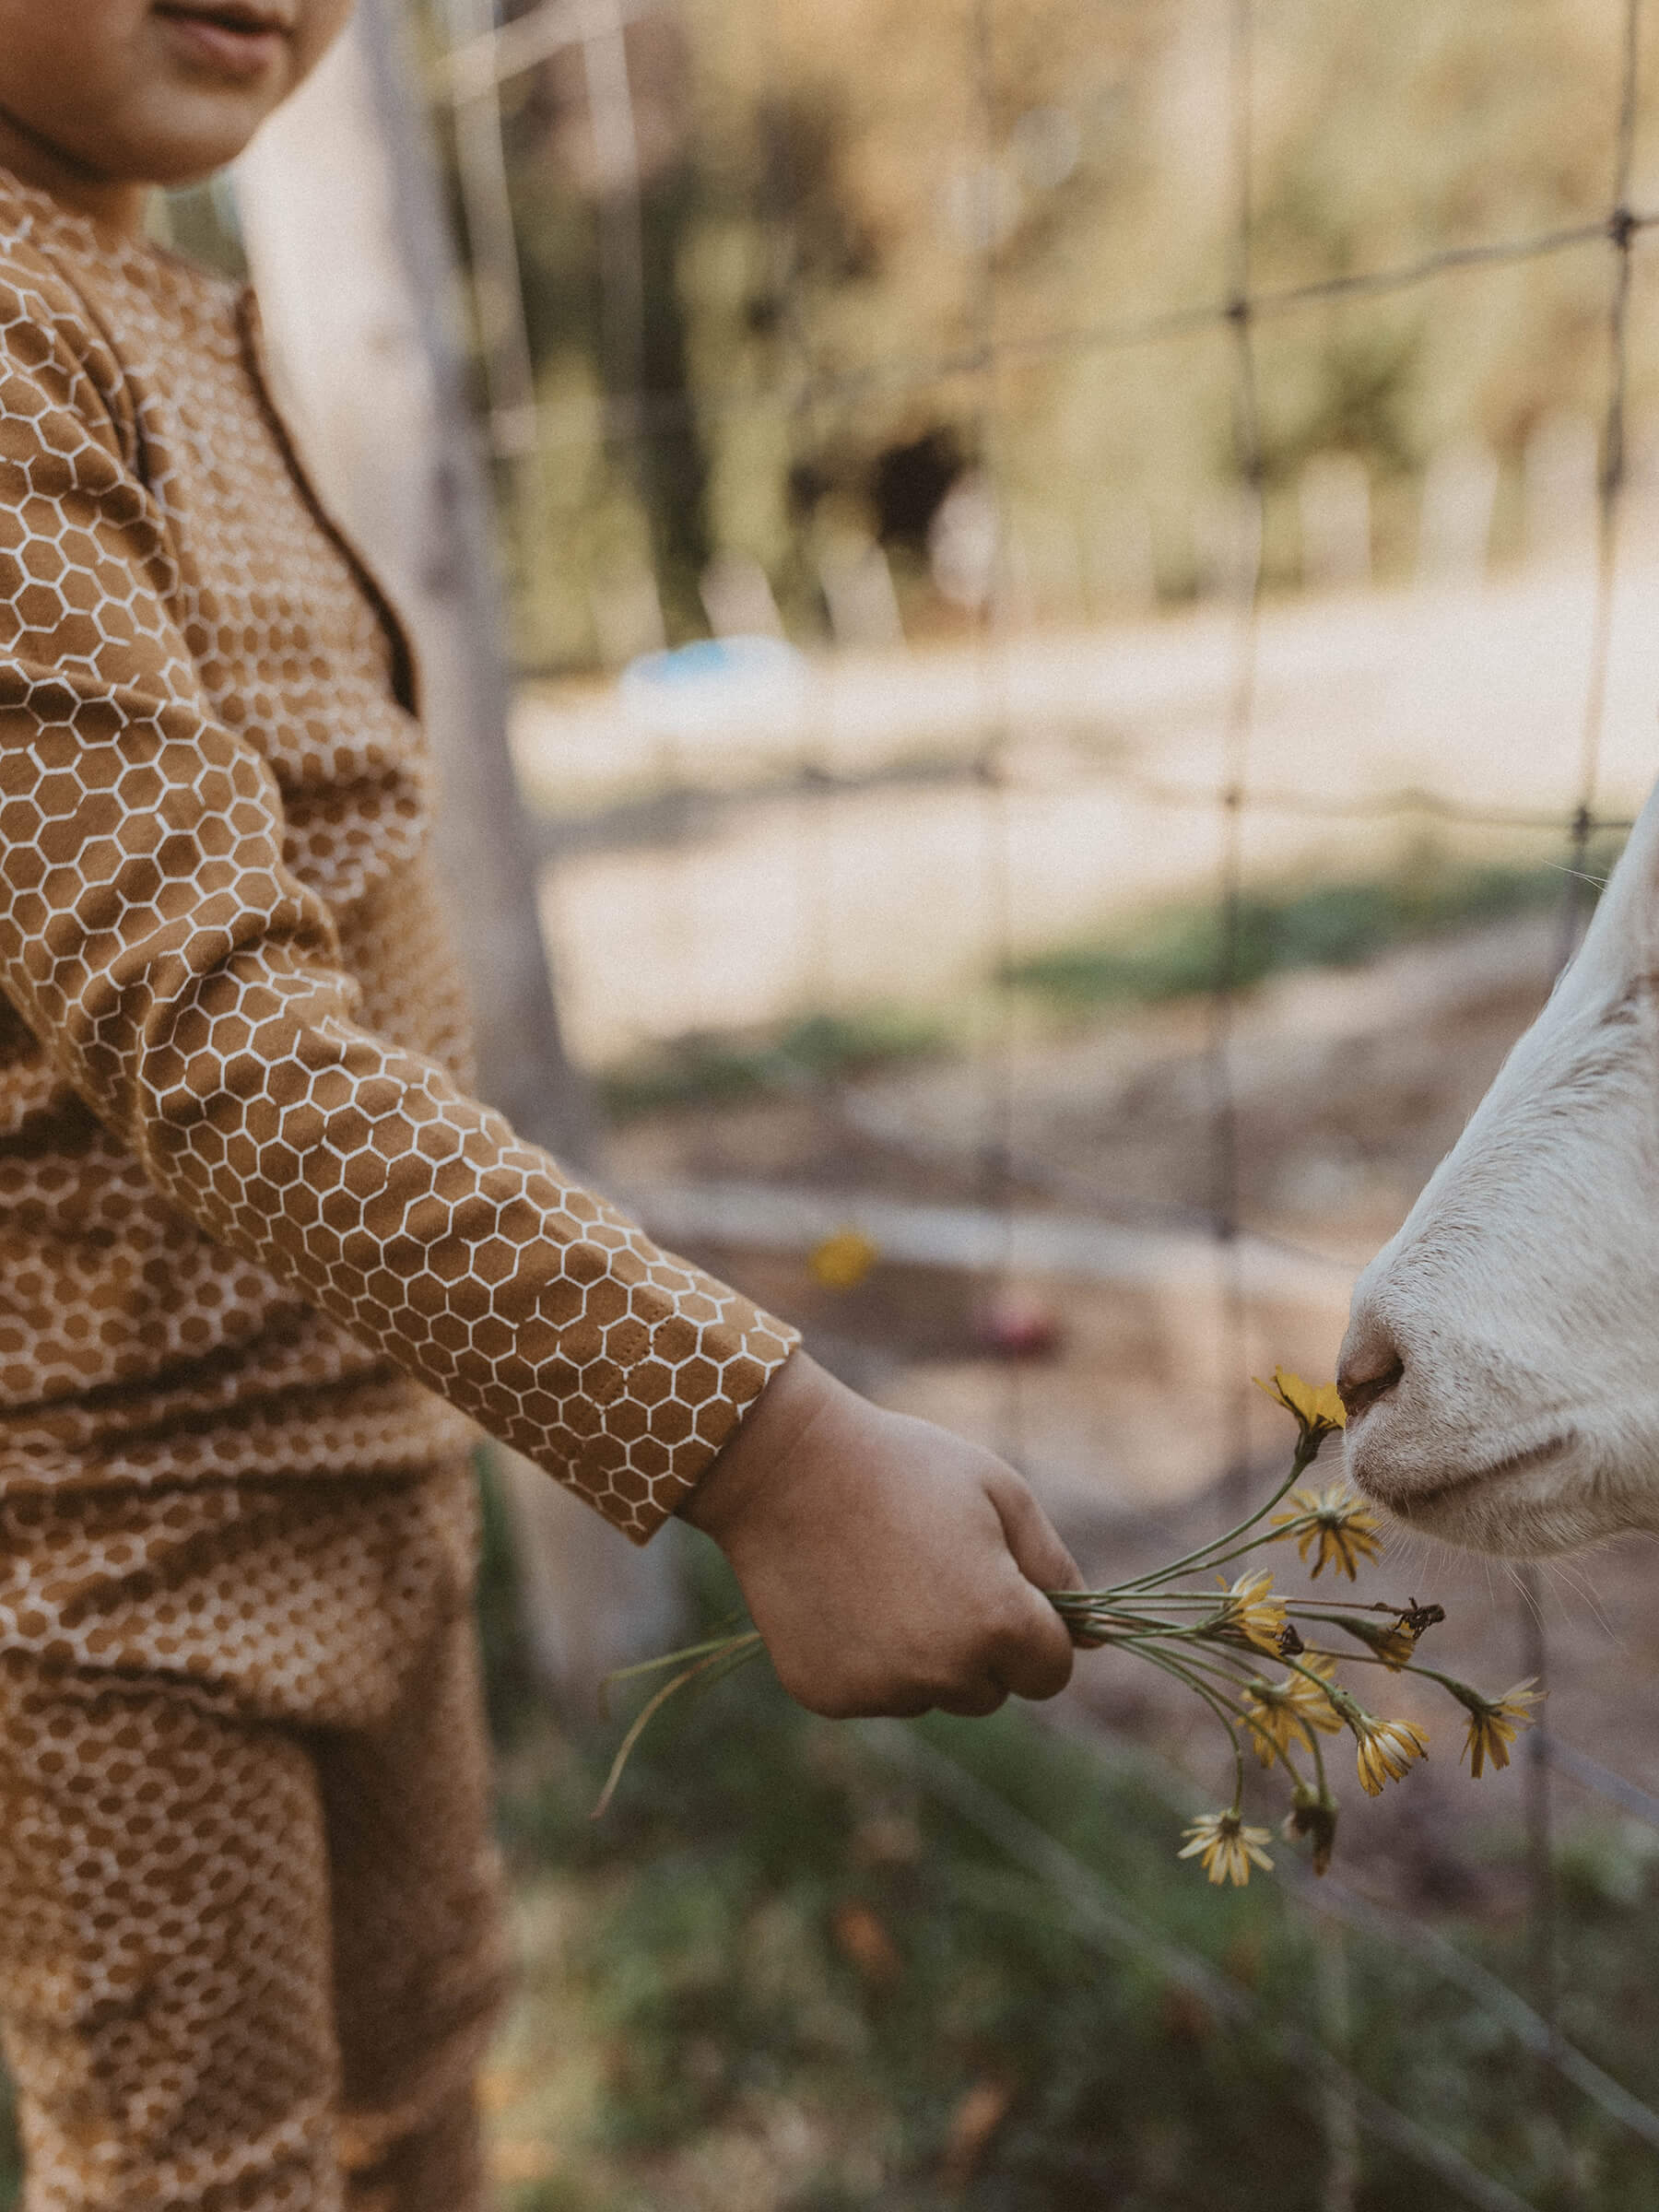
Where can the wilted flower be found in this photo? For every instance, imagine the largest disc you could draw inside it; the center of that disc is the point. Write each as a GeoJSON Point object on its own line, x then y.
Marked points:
{"type": "Point", "coordinates": [1284, 1713]}
{"type": "Point", "coordinates": [1313, 1814]}
{"type": "Point", "coordinates": [1394, 1642]}
{"type": "Point", "coordinates": [1317, 1408]}
{"type": "Point", "coordinates": [1252, 1612]}
{"type": "Point", "coordinates": [1386, 1747]}
{"type": "Point", "coordinates": [1494, 1724]}
{"type": "Point", "coordinates": [1344, 1530]}
{"type": "Point", "coordinates": [1224, 1847]}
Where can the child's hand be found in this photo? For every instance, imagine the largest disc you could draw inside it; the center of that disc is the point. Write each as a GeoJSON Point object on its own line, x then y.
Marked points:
{"type": "Point", "coordinates": [889, 1566]}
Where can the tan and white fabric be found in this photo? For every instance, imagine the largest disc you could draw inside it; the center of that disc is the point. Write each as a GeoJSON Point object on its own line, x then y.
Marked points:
{"type": "Point", "coordinates": [263, 1260]}
{"type": "Point", "coordinates": [251, 1950]}
{"type": "Point", "coordinates": [232, 1069]}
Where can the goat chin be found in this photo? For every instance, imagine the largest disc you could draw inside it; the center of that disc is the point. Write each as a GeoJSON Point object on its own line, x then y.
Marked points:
{"type": "Point", "coordinates": [1567, 1494]}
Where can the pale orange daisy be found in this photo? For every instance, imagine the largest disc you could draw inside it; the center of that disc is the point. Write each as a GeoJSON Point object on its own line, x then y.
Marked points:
{"type": "Point", "coordinates": [1225, 1848]}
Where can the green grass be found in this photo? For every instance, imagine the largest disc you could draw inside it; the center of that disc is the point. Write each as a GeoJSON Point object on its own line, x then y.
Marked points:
{"type": "Point", "coordinates": [1167, 952]}
{"type": "Point", "coordinates": [1178, 949]}
{"type": "Point", "coordinates": [778, 1923]}
{"type": "Point", "coordinates": [725, 1964]}
{"type": "Point", "coordinates": [711, 1068]}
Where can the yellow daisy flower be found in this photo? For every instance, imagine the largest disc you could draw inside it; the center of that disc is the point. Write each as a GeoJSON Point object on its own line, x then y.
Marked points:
{"type": "Point", "coordinates": [1225, 1848]}
{"type": "Point", "coordinates": [1316, 1407]}
{"type": "Point", "coordinates": [1286, 1712]}
{"type": "Point", "coordinates": [1344, 1530]}
{"type": "Point", "coordinates": [1386, 1749]}
{"type": "Point", "coordinates": [1494, 1726]}
{"type": "Point", "coordinates": [1249, 1613]}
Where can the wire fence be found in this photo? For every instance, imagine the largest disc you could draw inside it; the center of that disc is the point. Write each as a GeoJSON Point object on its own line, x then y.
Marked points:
{"type": "Point", "coordinates": [481, 56]}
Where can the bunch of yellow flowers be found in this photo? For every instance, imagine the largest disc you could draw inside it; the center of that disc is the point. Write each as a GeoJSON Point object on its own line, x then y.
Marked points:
{"type": "Point", "coordinates": [1214, 1639]}
{"type": "Point", "coordinates": [1209, 1640]}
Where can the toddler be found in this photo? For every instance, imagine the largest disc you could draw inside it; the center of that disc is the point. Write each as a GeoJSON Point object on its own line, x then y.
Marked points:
{"type": "Point", "coordinates": [267, 1263]}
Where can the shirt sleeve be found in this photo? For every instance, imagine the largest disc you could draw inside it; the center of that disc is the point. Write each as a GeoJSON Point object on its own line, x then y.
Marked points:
{"type": "Point", "coordinates": [188, 987]}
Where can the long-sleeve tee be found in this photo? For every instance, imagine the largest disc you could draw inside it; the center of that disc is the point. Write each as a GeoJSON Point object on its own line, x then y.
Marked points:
{"type": "Point", "coordinates": [250, 1215]}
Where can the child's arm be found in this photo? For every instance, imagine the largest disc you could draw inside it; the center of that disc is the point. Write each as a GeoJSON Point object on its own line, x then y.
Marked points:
{"type": "Point", "coordinates": [187, 986]}
{"type": "Point", "coordinates": [888, 1565]}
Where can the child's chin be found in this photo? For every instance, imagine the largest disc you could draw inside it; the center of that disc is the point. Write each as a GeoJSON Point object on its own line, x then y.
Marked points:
{"type": "Point", "coordinates": [194, 149]}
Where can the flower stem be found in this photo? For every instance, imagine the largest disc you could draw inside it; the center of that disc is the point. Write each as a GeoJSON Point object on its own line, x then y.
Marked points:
{"type": "Point", "coordinates": [1217, 1705]}
{"type": "Point", "coordinates": [729, 1652]}
{"type": "Point", "coordinates": [1304, 1459]}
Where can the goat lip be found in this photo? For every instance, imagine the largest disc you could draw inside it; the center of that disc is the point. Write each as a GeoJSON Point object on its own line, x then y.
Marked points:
{"type": "Point", "coordinates": [1411, 1504]}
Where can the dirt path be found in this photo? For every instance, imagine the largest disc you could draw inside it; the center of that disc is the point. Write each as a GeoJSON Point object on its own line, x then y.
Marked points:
{"type": "Point", "coordinates": [1350, 1085]}
{"type": "Point", "coordinates": [851, 889]}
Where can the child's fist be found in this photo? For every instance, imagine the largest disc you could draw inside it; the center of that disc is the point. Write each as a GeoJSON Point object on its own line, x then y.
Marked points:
{"type": "Point", "coordinates": [889, 1566]}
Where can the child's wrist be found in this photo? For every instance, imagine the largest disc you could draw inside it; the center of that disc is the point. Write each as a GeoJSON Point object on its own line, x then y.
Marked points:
{"type": "Point", "coordinates": [754, 1456]}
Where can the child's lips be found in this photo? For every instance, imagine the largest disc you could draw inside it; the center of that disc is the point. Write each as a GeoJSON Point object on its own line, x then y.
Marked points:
{"type": "Point", "coordinates": [231, 40]}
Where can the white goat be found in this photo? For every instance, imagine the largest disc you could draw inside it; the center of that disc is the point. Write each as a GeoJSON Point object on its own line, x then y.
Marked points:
{"type": "Point", "coordinates": [1501, 1364]}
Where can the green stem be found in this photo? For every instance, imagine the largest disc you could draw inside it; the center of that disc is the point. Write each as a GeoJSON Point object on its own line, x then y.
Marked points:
{"type": "Point", "coordinates": [1319, 1608]}
{"type": "Point", "coordinates": [730, 1651]}
{"type": "Point", "coordinates": [1221, 1664]}
{"type": "Point", "coordinates": [1310, 1674]}
{"type": "Point", "coordinates": [1218, 1706]}
{"type": "Point", "coordinates": [1107, 1617]}
{"type": "Point", "coordinates": [1299, 1466]}
{"type": "Point", "coordinates": [1311, 1608]}
{"type": "Point", "coordinates": [1240, 1551]}
{"type": "Point", "coordinates": [1187, 1670]}
{"type": "Point", "coordinates": [686, 1651]}
{"type": "Point", "coordinates": [1461, 1691]}
{"type": "Point", "coordinates": [1319, 1765]}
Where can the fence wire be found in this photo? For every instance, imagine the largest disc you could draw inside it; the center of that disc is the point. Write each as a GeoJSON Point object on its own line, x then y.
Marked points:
{"type": "Point", "coordinates": [1547, 1960]}
{"type": "Point", "coordinates": [991, 764]}
{"type": "Point", "coordinates": [471, 76]}
{"type": "Point", "coordinates": [483, 55]}
{"type": "Point", "coordinates": [1393, 1929]}
{"type": "Point", "coordinates": [1112, 1923]}
{"type": "Point", "coordinates": [1238, 734]}
{"type": "Point", "coordinates": [644, 414]}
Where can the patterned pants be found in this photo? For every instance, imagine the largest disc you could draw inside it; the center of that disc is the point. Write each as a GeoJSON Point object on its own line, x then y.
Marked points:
{"type": "Point", "coordinates": [250, 1946]}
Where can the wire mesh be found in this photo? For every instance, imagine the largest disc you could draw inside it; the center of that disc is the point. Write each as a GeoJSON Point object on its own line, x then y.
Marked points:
{"type": "Point", "coordinates": [468, 78]}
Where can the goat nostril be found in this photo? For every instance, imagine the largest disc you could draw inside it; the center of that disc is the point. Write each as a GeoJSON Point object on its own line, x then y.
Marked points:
{"type": "Point", "coordinates": [1360, 1381]}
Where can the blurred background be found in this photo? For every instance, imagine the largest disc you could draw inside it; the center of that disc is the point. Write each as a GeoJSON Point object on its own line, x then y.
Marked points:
{"type": "Point", "coordinates": [1042, 612]}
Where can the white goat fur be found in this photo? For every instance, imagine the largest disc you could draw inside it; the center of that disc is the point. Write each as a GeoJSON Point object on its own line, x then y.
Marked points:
{"type": "Point", "coordinates": [1521, 1295]}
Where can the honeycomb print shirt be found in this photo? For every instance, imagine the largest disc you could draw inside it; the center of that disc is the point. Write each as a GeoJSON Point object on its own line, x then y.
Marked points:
{"type": "Point", "coordinates": [250, 1217]}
